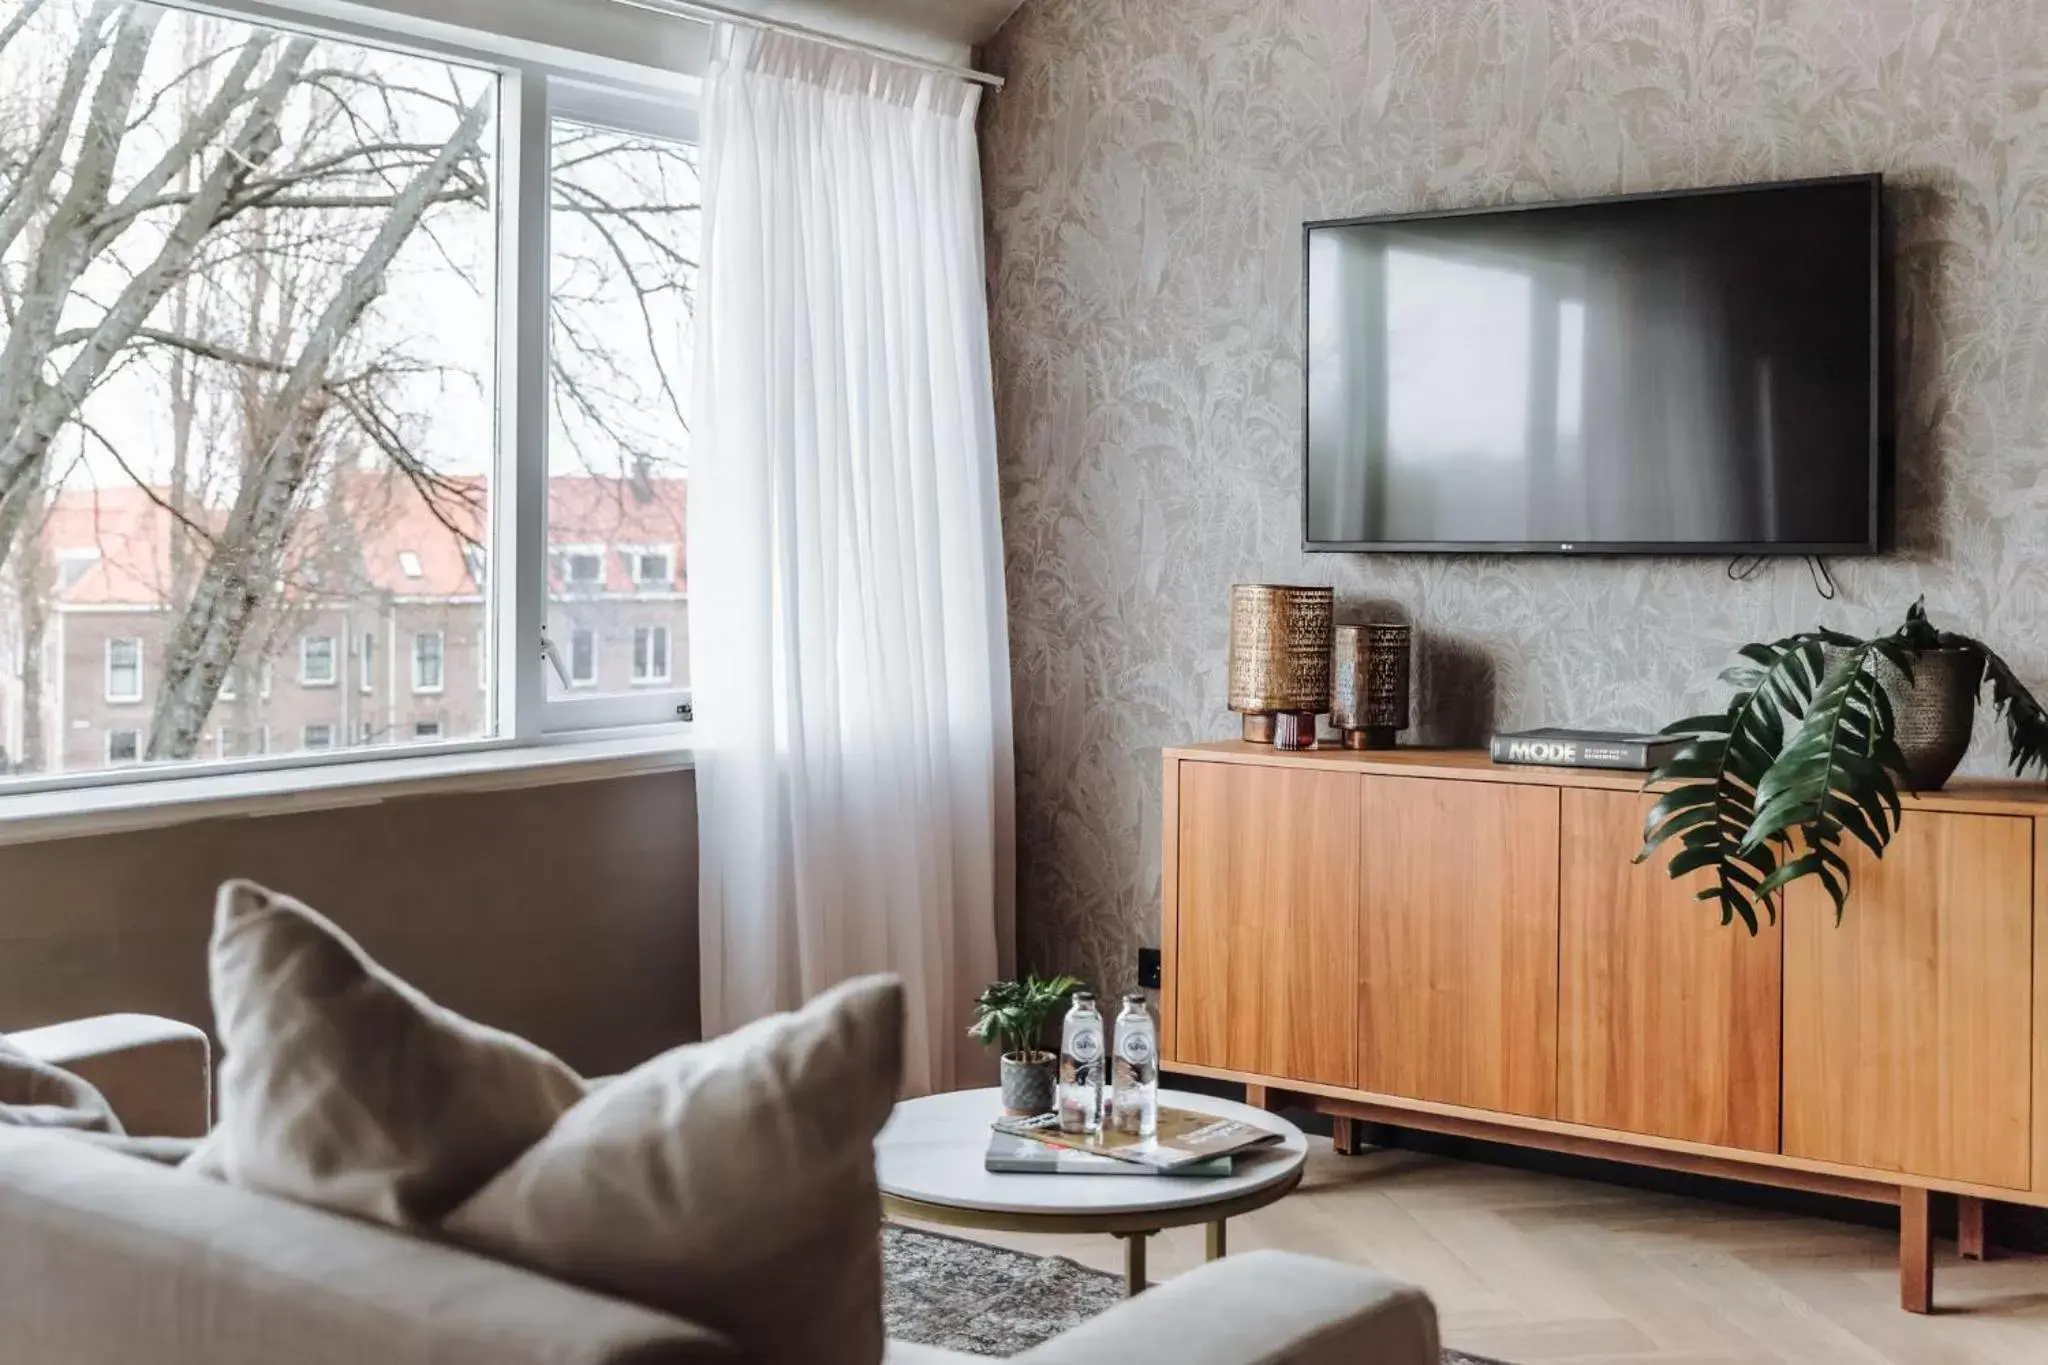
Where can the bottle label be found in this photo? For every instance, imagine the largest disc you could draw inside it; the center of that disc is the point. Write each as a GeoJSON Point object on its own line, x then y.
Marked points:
{"type": "Point", "coordinates": [1085, 1047]}
{"type": "Point", "coordinates": [1135, 1047]}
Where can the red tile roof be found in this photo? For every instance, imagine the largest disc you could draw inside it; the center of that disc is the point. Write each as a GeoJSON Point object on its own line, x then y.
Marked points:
{"type": "Point", "coordinates": [128, 532]}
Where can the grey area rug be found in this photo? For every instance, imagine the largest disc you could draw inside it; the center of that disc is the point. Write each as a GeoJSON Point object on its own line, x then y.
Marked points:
{"type": "Point", "coordinates": [988, 1301]}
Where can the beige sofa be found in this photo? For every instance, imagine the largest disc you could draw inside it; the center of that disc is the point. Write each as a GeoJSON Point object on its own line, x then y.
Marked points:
{"type": "Point", "coordinates": [110, 1260]}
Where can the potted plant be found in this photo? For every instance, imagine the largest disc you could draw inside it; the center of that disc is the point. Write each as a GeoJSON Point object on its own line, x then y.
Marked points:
{"type": "Point", "coordinates": [1822, 731]}
{"type": "Point", "coordinates": [1013, 1015]}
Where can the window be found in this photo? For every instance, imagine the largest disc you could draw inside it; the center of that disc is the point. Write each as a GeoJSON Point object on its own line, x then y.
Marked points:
{"type": "Point", "coordinates": [426, 729]}
{"type": "Point", "coordinates": [582, 658]}
{"type": "Point", "coordinates": [124, 670]}
{"type": "Point", "coordinates": [651, 568]}
{"type": "Point", "coordinates": [427, 661]}
{"type": "Point", "coordinates": [316, 660]}
{"type": "Point", "coordinates": [549, 366]}
{"type": "Point", "coordinates": [650, 654]}
{"type": "Point", "coordinates": [618, 450]}
{"type": "Point", "coordinates": [124, 746]}
{"type": "Point", "coordinates": [366, 732]}
{"type": "Point", "coordinates": [581, 569]}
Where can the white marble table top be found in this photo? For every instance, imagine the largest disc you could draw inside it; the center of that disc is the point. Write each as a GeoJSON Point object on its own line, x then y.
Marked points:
{"type": "Point", "coordinates": [931, 1151]}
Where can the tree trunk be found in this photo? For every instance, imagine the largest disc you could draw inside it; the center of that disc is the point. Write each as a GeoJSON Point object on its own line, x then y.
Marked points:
{"type": "Point", "coordinates": [243, 572]}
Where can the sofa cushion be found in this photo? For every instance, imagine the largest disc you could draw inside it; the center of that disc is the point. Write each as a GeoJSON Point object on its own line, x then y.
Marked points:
{"type": "Point", "coordinates": [730, 1182]}
{"type": "Point", "coordinates": [343, 1087]}
{"type": "Point", "coordinates": [35, 1094]}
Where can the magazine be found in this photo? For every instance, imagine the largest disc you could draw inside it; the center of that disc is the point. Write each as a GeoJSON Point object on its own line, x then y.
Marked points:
{"type": "Point", "coordinates": [1185, 1136]}
{"type": "Point", "coordinates": [1009, 1154]}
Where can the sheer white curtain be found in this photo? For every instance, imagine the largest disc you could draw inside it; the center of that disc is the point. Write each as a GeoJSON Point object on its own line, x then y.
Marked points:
{"type": "Point", "coordinates": [849, 653]}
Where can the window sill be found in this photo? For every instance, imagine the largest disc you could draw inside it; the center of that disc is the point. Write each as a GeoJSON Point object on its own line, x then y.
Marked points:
{"type": "Point", "coordinates": [34, 817]}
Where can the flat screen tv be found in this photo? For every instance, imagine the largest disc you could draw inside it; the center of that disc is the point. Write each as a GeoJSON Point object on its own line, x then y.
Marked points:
{"type": "Point", "coordinates": [1696, 372]}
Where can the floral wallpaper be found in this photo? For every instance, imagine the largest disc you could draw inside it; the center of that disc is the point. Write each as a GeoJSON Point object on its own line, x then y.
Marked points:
{"type": "Point", "coordinates": [1147, 172]}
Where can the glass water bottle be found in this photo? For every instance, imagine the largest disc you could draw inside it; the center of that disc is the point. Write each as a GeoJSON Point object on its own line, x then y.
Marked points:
{"type": "Point", "coordinates": [1081, 1050]}
{"type": "Point", "coordinates": [1134, 1095]}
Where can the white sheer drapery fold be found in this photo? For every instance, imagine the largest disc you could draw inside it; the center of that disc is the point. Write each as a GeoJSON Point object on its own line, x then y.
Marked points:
{"type": "Point", "coordinates": [849, 654]}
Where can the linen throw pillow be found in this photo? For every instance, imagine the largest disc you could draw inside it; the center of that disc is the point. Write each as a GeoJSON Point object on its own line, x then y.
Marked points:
{"type": "Point", "coordinates": [35, 1094]}
{"type": "Point", "coordinates": [345, 1088]}
{"type": "Point", "coordinates": [730, 1182]}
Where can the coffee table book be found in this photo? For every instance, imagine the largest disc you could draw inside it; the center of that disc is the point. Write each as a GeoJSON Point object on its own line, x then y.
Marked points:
{"type": "Point", "coordinates": [1184, 1137]}
{"type": "Point", "coordinates": [1009, 1154]}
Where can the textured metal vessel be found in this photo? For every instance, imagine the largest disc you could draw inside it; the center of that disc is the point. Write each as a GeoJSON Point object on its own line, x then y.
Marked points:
{"type": "Point", "coordinates": [1932, 716]}
{"type": "Point", "coordinates": [1279, 653]}
{"type": "Point", "coordinates": [1369, 683]}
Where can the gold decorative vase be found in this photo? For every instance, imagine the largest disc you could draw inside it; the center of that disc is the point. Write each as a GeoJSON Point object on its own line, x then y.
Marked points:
{"type": "Point", "coordinates": [1279, 655]}
{"type": "Point", "coordinates": [1369, 683]}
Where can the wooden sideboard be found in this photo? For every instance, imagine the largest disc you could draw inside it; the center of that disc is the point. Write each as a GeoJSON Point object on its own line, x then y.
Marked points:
{"type": "Point", "coordinates": [1424, 938]}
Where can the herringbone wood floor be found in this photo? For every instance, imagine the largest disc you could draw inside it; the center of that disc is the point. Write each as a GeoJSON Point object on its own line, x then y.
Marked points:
{"type": "Point", "coordinates": [1541, 1270]}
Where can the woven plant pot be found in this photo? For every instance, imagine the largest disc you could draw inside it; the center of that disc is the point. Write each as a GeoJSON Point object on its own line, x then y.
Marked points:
{"type": "Point", "coordinates": [1932, 716]}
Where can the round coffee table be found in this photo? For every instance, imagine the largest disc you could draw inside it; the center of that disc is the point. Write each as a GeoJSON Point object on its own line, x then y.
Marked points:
{"type": "Point", "coordinates": [929, 1161]}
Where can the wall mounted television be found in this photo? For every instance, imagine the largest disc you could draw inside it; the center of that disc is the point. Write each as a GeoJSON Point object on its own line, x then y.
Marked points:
{"type": "Point", "coordinates": [1697, 372]}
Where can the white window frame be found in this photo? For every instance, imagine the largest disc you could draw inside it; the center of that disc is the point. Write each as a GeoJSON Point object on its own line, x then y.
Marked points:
{"type": "Point", "coordinates": [366, 663]}
{"type": "Point", "coordinates": [536, 83]}
{"type": "Point", "coordinates": [306, 678]}
{"type": "Point", "coordinates": [113, 762]}
{"type": "Point", "coordinates": [306, 736]}
{"type": "Point", "coordinates": [124, 698]}
{"type": "Point", "coordinates": [421, 688]}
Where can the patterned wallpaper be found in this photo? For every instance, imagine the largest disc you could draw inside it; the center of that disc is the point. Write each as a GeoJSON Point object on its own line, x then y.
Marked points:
{"type": "Point", "coordinates": [1147, 172]}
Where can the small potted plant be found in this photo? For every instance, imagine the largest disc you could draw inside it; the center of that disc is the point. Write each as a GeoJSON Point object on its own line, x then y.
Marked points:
{"type": "Point", "coordinates": [1013, 1015]}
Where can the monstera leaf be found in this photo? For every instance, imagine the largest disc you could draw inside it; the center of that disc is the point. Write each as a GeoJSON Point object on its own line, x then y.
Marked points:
{"type": "Point", "coordinates": [1804, 759]}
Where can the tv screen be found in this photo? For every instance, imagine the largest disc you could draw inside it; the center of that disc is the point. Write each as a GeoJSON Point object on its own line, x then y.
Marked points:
{"type": "Point", "coordinates": [1690, 372]}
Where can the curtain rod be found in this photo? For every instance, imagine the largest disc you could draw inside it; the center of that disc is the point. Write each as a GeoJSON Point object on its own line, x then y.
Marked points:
{"type": "Point", "coordinates": [702, 10]}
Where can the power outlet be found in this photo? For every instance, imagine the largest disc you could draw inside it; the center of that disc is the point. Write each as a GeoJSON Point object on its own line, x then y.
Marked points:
{"type": "Point", "coordinates": [1148, 969]}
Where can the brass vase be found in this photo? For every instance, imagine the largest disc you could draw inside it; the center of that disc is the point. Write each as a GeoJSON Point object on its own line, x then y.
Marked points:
{"type": "Point", "coordinates": [1369, 683]}
{"type": "Point", "coordinates": [1279, 655]}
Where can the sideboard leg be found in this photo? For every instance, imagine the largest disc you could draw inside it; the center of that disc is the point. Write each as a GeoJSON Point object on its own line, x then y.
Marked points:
{"type": "Point", "coordinates": [1134, 1262]}
{"type": "Point", "coordinates": [1218, 1239]}
{"type": "Point", "coordinates": [1258, 1097]}
{"type": "Point", "coordinates": [1344, 1136]}
{"type": "Point", "coordinates": [1916, 1252]}
{"type": "Point", "coordinates": [1970, 1228]}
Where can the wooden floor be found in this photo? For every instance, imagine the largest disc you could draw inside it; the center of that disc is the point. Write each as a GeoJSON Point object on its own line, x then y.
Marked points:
{"type": "Point", "coordinates": [1540, 1270]}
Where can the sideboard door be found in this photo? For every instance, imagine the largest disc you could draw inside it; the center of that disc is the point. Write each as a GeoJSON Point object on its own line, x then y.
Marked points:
{"type": "Point", "coordinates": [1267, 921]}
{"type": "Point", "coordinates": [1457, 943]}
{"type": "Point", "coordinates": [1667, 1019]}
{"type": "Point", "coordinates": [1907, 1027]}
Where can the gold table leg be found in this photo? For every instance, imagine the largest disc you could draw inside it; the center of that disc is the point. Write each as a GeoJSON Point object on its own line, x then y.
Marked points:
{"type": "Point", "coordinates": [1134, 1262]}
{"type": "Point", "coordinates": [1218, 1238]}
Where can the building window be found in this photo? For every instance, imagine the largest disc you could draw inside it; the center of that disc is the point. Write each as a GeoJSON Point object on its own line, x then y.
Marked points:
{"type": "Point", "coordinates": [124, 670]}
{"type": "Point", "coordinates": [427, 661]}
{"type": "Point", "coordinates": [651, 568]}
{"type": "Point", "coordinates": [366, 732]}
{"type": "Point", "coordinates": [368, 681]}
{"type": "Point", "coordinates": [229, 683]}
{"type": "Point", "coordinates": [124, 746]}
{"type": "Point", "coordinates": [582, 658]}
{"type": "Point", "coordinates": [316, 660]}
{"type": "Point", "coordinates": [650, 654]}
{"type": "Point", "coordinates": [317, 737]}
{"type": "Point", "coordinates": [409, 564]}
{"type": "Point", "coordinates": [581, 569]}
{"type": "Point", "coordinates": [426, 729]}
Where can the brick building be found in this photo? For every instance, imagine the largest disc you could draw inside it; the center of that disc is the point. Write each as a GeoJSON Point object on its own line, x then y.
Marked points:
{"type": "Point", "coordinates": [381, 636]}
